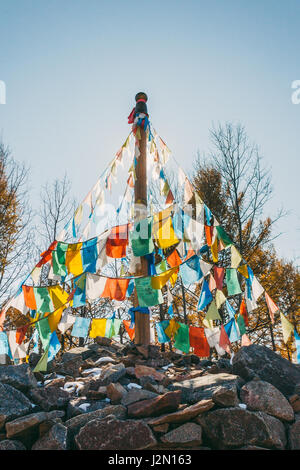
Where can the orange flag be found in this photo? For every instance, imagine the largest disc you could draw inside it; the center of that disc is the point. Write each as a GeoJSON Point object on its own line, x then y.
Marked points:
{"type": "Point", "coordinates": [271, 306]}
{"type": "Point", "coordinates": [244, 313]}
{"type": "Point", "coordinates": [174, 259]}
{"type": "Point", "coordinates": [115, 289]}
{"type": "Point", "coordinates": [130, 331]}
{"type": "Point", "coordinates": [117, 242]}
{"type": "Point", "coordinates": [29, 297]}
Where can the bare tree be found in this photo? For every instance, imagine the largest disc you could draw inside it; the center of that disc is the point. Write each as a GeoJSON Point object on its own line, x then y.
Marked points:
{"type": "Point", "coordinates": [16, 229]}
{"type": "Point", "coordinates": [57, 206]}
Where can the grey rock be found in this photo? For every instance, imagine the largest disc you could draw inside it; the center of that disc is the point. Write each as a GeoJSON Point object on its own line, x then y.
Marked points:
{"type": "Point", "coordinates": [24, 424]}
{"type": "Point", "coordinates": [259, 395]}
{"type": "Point", "coordinates": [187, 435]}
{"type": "Point", "coordinates": [112, 373]}
{"type": "Point", "coordinates": [260, 361]}
{"type": "Point", "coordinates": [111, 433]}
{"type": "Point", "coordinates": [135, 395]}
{"type": "Point", "coordinates": [200, 388]}
{"type": "Point", "coordinates": [230, 428]}
{"type": "Point", "coordinates": [13, 404]}
{"type": "Point", "coordinates": [50, 398]}
{"type": "Point", "coordinates": [226, 395]}
{"type": "Point", "coordinates": [20, 377]}
{"type": "Point", "coordinates": [55, 439]}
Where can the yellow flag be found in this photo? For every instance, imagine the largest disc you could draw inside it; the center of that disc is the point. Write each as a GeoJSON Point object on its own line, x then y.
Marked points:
{"type": "Point", "coordinates": [58, 296]}
{"type": "Point", "coordinates": [98, 327]}
{"type": "Point", "coordinates": [172, 328]}
{"type": "Point", "coordinates": [78, 215]}
{"type": "Point", "coordinates": [243, 270]}
{"type": "Point", "coordinates": [214, 247]}
{"type": "Point", "coordinates": [159, 281]}
{"type": "Point", "coordinates": [163, 230]}
{"type": "Point", "coordinates": [287, 328]}
{"type": "Point", "coordinates": [235, 257]}
{"type": "Point", "coordinates": [73, 259]}
{"type": "Point", "coordinates": [54, 318]}
{"type": "Point", "coordinates": [220, 298]}
{"type": "Point", "coordinates": [212, 313]}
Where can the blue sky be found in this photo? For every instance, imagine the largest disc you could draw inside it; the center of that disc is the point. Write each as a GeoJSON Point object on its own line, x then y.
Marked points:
{"type": "Point", "coordinates": [72, 68]}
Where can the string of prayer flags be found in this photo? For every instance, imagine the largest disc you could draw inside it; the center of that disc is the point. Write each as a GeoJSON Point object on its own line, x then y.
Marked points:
{"type": "Point", "coordinates": [287, 328]}
{"type": "Point", "coordinates": [116, 289]}
{"type": "Point", "coordinates": [212, 312]}
{"type": "Point", "coordinates": [141, 239]}
{"type": "Point", "coordinates": [235, 257]}
{"type": "Point", "coordinates": [219, 274]}
{"type": "Point", "coordinates": [94, 286]}
{"type": "Point", "coordinates": [161, 334]}
{"type": "Point", "coordinates": [213, 339]}
{"type": "Point", "coordinates": [54, 346]}
{"type": "Point", "coordinates": [163, 231]}
{"type": "Point", "coordinates": [159, 281]}
{"type": "Point", "coordinates": [241, 324]}
{"type": "Point", "coordinates": [67, 321]}
{"type": "Point", "coordinates": [44, 331]}
{"type": "Point", "coordinates": [272, 307]}
{"type": "Point", "coordinates": [182, 338]}
{"type": "Point", "coordinates": [205, 296]}
{"type": "Point", "coordinates": [112, 327]}
{"type": "Point", "coordinates": [198, 341]}
{"type": "Point", "coordinates": [244, 313]}
{"type": "Point", "coordinates": [212, 283]}
{"type": "Point", "coordinates": [223, 236]}
{"type": "Point", "coordinates": [174, 259]}
{"type": "Point", "coordinates": [230, 309]}
{"type": "Point", "coordinates": [190, 271]}
{"type": "Point", "coordinates": [117, 242]}
{"type": "Point", "coordinates": [257, 288]}
{"type": "Point", "coordinates": [129, 330]}
{"type": "Point", "coordinates": [81, 327]}
{"type": "Point", "coordinates": [232, 282]}
{"type": "Point", "coordinates": [147, 296]}
{"type": "Point", "coordinates": [220, 298]}
{"type": "Point", "coordinates": [232, 331]}
{"type": "Point", "coordinates": [98, 327]}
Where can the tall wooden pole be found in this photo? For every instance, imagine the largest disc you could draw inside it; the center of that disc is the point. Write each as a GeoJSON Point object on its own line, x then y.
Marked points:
{"type": "Point", "coordinates": [142, 320]}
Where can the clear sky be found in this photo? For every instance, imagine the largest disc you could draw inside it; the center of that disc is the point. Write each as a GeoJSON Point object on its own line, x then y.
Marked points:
{"type": "Point", "coordinates": [72, 68]}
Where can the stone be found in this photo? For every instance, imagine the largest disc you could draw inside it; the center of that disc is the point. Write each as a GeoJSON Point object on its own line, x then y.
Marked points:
{"type": "Point", "coordinates": [115, 392]}
{"type": "Point", "coordinates": [226, 395]}
{"type": "Point", "coordinates": [70, 366]}
{"type": "Point", "coordinates": [260, 361]}
{"type": "Point", "coordinates": [112, 373]}
{"type": "Point", "coordinates": [50, 398]}
{"type": "Point", "coordinates": [229, 428]}
{"type": "Point", "coordinates": [96, 394]}
{"type": "Point", "coordinates": [182, 416]}
{"type": "Point", "coordinates": [83, 352]}
{"type": "Point", "coordinates": [143, 350]}
{"type": "Point", "coordinates": [155, 406]}
{"type": "Point", "coordinates": [74, 424]}
{"type": "Point", "coordinates": [55, 439]}
{"type": "Point", "coordinates": [142, 371]}
{"type": "Point", "coordinates": [111, 433]}
{"type": "Point", "coordinates": [11, 445]}
{"type": "Point", "coordinates": [259, 395]}
{"type": "Point", "coordinates": [160, 428]}
{"type": "Point", "coordinates": [135, 395]}
{"type": "Point", "coordinates": [20, 377]}
{"type": "Point", "coordinates": [13, 404]}
{"type": "Point", "coordinates": [294, 436]}
{"type": "Point", "coordinates": [295, 403]}
{"type": "Point", "coordinates": [25, 424]}
{"type": "Point", "coordinates": [201, 388]}
{"type": "Point", "coordinates": [5, 360]}
{"type": "Point", "coordinates": [187, 435]}
{"type": "Point", "coordinates": [102, 341]}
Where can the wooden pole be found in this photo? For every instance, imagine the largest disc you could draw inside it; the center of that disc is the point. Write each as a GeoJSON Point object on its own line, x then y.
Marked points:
{"type": "Point", "coordinates": [142, 320]}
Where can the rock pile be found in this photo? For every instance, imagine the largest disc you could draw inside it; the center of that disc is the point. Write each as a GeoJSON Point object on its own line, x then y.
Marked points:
{"type": "Point", "coordinates": [110, 396]}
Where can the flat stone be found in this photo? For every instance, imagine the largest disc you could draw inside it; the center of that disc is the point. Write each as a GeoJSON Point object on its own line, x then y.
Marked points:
{"type": "Point", "coordinates": [20, 377]}
{"type": "Point", "coordinates": [50, 398]}
{"type": "Point", "coordinates": [203, 387]}
{"type": "Point", "coordinates": [135, 395]}
{"type": "Point", "coordinates": [260, 361]}
{"type": "Point", "coordinates": [111, 433]}
{"type": "Point", "coordinates": [230, 428]}
{"type": "Point", "coordinates": [115, 392]}
{"type": "Point", "coordinates": [143, 371]}
{"type": "Point", "coordinates": [226, 395]}
{"type": "Point", "coordinates": [187, 435]}
{"type": "Point", "coordinates": [155, 406]}
{"type": "Point", "coordinates": [112, 373]}
{"type": "Point", "coordinates": [259, 395]}
{"type": "Point", "coordinates": [24, 424]}
{"type": "Point", "coordinates": [182, 416]}
{"type": "Point", "coordinates": [74, 424]}
{"type": "Point", "coordinates": [13, 404]}
{"type": "Point", "coordinates": [55, 439]}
